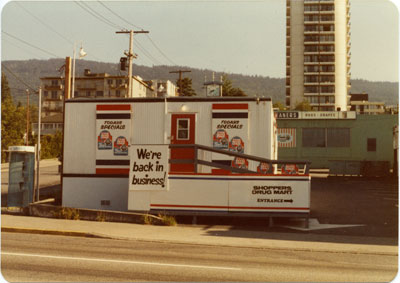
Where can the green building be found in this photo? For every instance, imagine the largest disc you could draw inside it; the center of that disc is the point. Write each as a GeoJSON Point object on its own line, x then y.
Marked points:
{"type": "Point", "coordinates": [343, 142]}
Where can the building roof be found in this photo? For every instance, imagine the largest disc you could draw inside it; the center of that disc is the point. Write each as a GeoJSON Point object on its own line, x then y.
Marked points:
{"type": "Point", "coordinates": [171, 99]}
{"type": "Point", "coordinates": [57, 118]}
{"type": "Point", "coordinates": [358, 96]}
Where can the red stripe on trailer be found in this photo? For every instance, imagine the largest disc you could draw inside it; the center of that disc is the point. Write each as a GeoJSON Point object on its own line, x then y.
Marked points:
{"type": "Point", "coordinates": [188, 206]}
{"type": "Point", "coordinates": [230, 174]}
{"type": "Point", "coordinates": [109, 107]}
{"type": "Point", "coordinates": [112, 171]}
{"type": "Point", "coordinates": [230, 106]}
{"type": "Point", "coordinates": [227, 207]}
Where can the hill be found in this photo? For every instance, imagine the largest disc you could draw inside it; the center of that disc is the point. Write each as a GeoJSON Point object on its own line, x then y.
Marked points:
{"type": "Point", "coordinates": [30, 71]}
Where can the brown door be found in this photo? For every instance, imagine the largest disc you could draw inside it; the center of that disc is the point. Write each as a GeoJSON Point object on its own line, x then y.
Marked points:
{"type": "Point", "coordinates": [182, 132]}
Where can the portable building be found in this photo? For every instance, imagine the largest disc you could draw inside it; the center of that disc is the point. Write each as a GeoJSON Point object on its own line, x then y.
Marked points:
{"type": "Point", "coordinates": [195, 142]}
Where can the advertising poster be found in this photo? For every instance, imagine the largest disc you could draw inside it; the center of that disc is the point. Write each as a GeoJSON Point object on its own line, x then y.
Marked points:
{"type": "Point", "coordinates": [149, 167]}
{"type": "Point", "coordinates": [113, 131]}
{"type": "Point", "coordinates": [286, 137]}
{"type": "Point", "coordinates": [230, 132]}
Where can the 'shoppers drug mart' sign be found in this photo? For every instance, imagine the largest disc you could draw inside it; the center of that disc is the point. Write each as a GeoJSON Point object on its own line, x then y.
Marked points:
{"type": "Point", "coordinates": [149, 167]}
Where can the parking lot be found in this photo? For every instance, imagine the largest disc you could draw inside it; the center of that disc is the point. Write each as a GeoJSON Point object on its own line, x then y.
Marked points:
{"type": "Point", "coordinates": [372, 202]}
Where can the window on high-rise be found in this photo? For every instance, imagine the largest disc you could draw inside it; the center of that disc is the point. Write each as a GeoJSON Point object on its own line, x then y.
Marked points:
{"type": "Point", "coordinates": [328, 99]}
{"type": "Point", "coordinates": [312, 99]}
{"type": "Point", "coordinates": [327, 18]}
{"type": "Point", "coordinates": [327, 48]}
{"type": "Point", "coordinates": [311, 38]}
{"type": "Point", "coordinates": [327, 58]}
{"type": "Point", "coordinates": [328, 89]}
{"type": "Point", "coordinates": [310, 28]}
{"type": "Point", "coordinates": [327, 8]}
{"type": "Point", "coordinates": [327, 38]}
{"type": "Point", "coordinates": [327, 79]}
{"type": "Point", "coordinates": [328, 68]}
{"type": "Point", "coordinates": [327, 27]}
{"type": "Point", "coordinates": [311, 69]}
{"type": "Point", "coordinates": [310, 89]}
{"type": "Point", "coordinates": [310, 48]}
{"type": "Point", "coordinates": [311, 18]}
{"type": "Point", "coordinates": [311, 8]}
{"type": "Point", "coordinates": [310, 79]}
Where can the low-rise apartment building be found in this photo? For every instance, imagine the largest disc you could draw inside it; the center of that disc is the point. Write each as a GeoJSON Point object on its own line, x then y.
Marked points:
{"type": "Point", "coordinates": [96, 85]}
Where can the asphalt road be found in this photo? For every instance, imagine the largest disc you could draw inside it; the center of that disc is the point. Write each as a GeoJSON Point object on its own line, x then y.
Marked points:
{"type": "Point", "coordinates": [49, 175]}
{"type": "Point", "coordinates": [49, 180]}
{"type": "Point", "coordinates": [30, 257]}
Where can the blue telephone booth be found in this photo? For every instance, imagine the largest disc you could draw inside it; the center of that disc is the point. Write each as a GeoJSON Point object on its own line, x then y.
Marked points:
{"type": "Point", "coordinates": [21, 176]}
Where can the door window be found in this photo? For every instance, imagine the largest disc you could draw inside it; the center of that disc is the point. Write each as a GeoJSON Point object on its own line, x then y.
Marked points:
{"type": "Point", "coordinates": [182, 129]}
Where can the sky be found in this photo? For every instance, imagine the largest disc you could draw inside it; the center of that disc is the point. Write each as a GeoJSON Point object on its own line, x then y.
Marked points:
{"type": "Point", "coordinates": [244, 37]}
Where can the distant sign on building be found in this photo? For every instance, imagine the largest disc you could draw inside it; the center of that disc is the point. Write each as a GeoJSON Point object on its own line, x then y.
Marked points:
{"type": "Point", "coordinates": [315, 115]}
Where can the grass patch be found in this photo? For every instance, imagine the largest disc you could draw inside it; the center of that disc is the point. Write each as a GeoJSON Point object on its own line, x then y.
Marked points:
{"type": "Point", "coordinates": [67, 213]}
{"type": "Point", "coordinates": [101, 216]}
{"type": "Point", "coordinates": [168, 220]}
{"type": "Point", "coordinates": [148, 219]}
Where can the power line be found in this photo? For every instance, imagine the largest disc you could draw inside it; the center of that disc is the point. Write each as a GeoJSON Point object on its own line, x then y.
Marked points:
{"type": "Point", "coordinates": [43, 23]}
{"type": "Point", "coordinates": [101, 16]}
{"type": "Point", "coordinates": [31, 45]}
{"type": "Point", "coordinates": [119, 16]}
{"type": "Point", "coordinates": [129, 23]}
{"type": "Point", "coordinates": [18, 78]}
{"type": "Point", "coordinates": [25, 50]}
{"type": "Point", "coordinates": [146, 53]}
{"type": "Point", "coordinates": [173, 63]}
{"type": "Point", "coordinates": [49, 27]}
{"type": "Point", "coordinates": [108, 22]}
{"type": "Point", "coordinates": [97, 15]}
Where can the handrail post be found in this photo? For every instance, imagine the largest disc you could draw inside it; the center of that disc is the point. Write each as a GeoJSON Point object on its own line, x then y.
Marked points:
{"type": "Point", "coordinates": [195, 157]}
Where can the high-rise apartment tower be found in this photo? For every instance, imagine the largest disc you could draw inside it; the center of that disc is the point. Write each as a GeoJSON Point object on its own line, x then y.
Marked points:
{"type": "Point", "coordinates": [318, 53]}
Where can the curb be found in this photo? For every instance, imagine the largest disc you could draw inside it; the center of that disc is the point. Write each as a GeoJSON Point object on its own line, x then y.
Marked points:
{"type": "Point", "coordinates": [98, 236]}
{"type": "Point", "coordinates": [52, 232]}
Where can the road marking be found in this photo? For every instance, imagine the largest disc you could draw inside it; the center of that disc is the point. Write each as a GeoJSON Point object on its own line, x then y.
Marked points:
{"type": "Point", "coordinates": [313, 224]}
{"type": "Point", "coordinates": [121, 261]}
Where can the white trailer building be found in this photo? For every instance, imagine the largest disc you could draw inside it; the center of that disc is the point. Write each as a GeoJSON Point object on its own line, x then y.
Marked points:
{"type": "Point", "coordinates": [179, 155]}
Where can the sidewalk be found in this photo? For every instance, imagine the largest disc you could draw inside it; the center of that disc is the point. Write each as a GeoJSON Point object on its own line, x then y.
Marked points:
{"type": "Point", "coordinates": [200, 235]}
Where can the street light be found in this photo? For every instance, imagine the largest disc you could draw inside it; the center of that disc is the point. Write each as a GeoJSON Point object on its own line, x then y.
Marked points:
{"type": "Point", "coordinates": [82, 54]}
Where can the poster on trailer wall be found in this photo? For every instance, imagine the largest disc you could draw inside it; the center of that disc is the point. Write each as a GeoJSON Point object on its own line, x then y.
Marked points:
{"type": "Point", "coordinates": [230, 132]}
{"type": "Point", "coordinates": [113, 131]}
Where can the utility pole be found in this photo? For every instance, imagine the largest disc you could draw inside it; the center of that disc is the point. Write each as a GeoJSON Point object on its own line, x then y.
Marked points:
{"type": "Point", "coordinates": [38, 144]}
{"type": "Point", "coordinates": [180, 78]}
{"type": "Point", "coordinates": [27, 118]}
{"type": "Point", "coordinates": [130, 56]}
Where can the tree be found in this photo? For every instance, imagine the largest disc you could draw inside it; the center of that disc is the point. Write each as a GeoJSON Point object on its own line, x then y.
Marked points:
{"type": "Point", "coordinates": [185, 87]}
{"type": "Point", "coordinates": [13, 120]}
{"type": "Point", "coordinates": [303, 106]}
{"type": "Point", "coordinates": [51, 145]}
{"type": "Point", "coordinates": [228, 90]}
{"type": "Point", "coordinates": [279, 105]}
